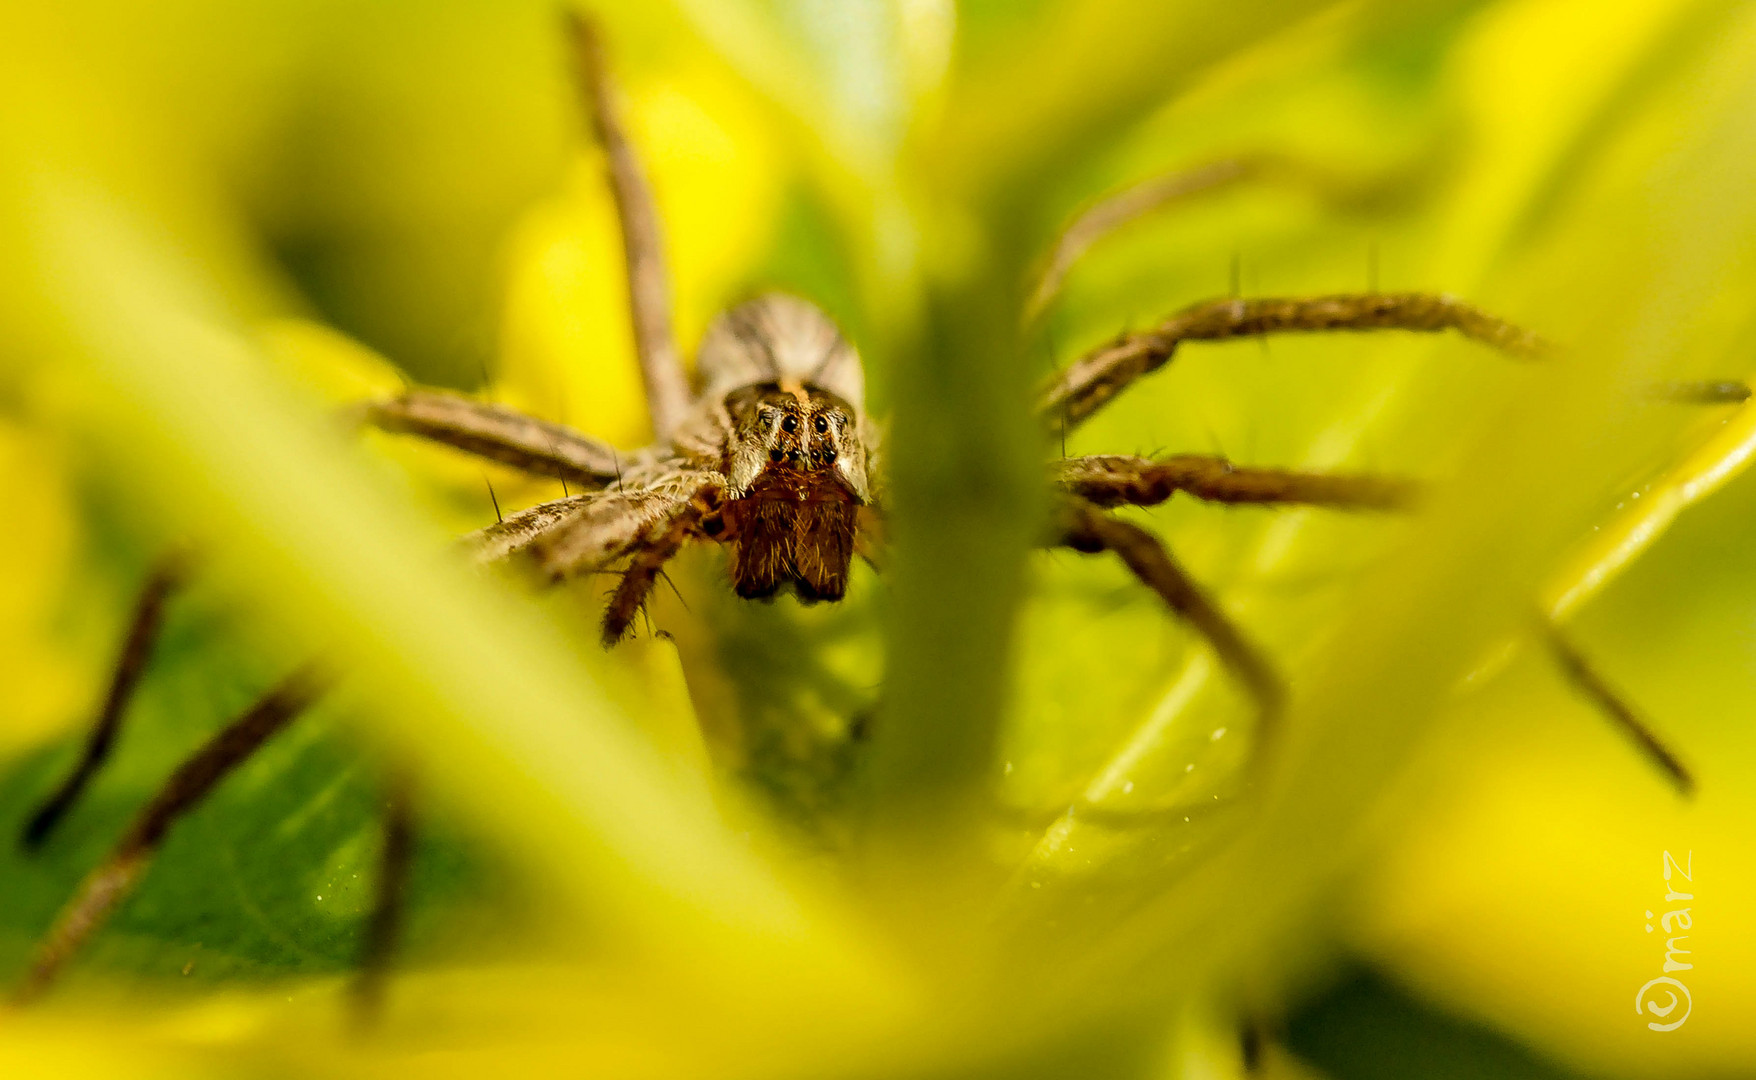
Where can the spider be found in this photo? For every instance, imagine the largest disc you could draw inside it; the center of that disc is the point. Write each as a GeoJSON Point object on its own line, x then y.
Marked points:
{"type": "Point", "coordinates": [771, 456]}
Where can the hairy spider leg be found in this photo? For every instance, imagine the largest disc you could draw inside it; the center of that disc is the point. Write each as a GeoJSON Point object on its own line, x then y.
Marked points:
{"type": "Point", "coordinates": [385, 928]}
{"type": "Point", "coordinates": [1103, 481]}
{"type": "Point", "coordinates": [1110, 480]}
{"type": "Point", "coordinates": [104, 889]}
{"type": "Point", "coordinates": [1098, 376]}
{"type": "Point", "coordinates": [1101, 374]}
{"type": "Point", "coordinates": [1106, 215]}
{"type": "Point", "coordinates": [1600, 693]}
{"type": "Point", "coordinates": [538, 447]}
{"type": "Point", "coordinates": [149, 609]}
{"type": "Point", "coordinates": [1085, 528]}
{"type": "Point", "coordinates": [649, 289]}
{"type": "Point", "coordinates": [657, 547]}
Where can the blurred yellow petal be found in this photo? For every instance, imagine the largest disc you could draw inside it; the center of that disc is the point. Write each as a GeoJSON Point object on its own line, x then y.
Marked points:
{"type": "Point", "coordinates": [45, 686]}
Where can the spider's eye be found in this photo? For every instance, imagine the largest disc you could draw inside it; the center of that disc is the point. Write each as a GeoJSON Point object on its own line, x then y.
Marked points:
{"type": "Point", "coordinates": [791, 423]}
{"type": "Point", "coordinates": [821, 425]}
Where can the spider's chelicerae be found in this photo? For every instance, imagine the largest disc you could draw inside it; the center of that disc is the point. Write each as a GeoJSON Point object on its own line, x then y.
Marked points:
{"type": "Point", "coordinates": [771, 456]}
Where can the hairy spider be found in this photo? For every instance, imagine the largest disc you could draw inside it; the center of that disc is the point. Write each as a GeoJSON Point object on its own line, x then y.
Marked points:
{"type": "Point", "coordinates": [771, 455]}
{"type": "Point", "coordinates": [769, 459]}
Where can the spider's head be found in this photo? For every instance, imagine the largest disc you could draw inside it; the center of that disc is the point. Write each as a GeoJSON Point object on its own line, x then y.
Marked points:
{"type": "Point", "coordinates": [795, 477]}
{"type": "Point", "coordinates": [790, 439]}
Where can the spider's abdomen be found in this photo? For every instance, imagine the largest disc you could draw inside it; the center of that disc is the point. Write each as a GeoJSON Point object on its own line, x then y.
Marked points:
{"type": "Point", "coordinates": [793, 527]}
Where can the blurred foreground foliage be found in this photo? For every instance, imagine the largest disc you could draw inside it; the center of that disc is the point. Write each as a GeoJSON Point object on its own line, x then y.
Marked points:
{"type": "Point", "coordinates": [989, 816]}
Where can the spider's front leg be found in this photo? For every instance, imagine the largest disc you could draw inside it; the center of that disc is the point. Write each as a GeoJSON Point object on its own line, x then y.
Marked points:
{"type": "Point", "coordinates": [1091, 484]}
{"type": "Point", "coordinates": [1106, 371]}
{"type": "Point", "coordinates": [1116, 480]}
{"type": "Point", "coordinates": [1110, 480]}
{"type": "Point", "coordinates": [1084, 527]}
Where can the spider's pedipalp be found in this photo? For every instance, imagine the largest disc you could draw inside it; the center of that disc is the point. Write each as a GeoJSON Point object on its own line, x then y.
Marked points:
{"type": "Point", "coordinates": [1083, 527]}
{"type": "Point", "coordinates": [1123, 480]}
{"type": "Point", "coordinates": [647, 522]}
{"type": "Point", "coordinates": [654, 550]}
{"type": "Point", "coordinates": [1106, 371]}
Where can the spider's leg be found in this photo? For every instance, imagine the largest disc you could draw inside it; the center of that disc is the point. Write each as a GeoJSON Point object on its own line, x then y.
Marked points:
{"type": "Point", "coordinates": [586, 533]}
{"type": "Point", "coordinates": [511, 535]}
{"type": "Point", "coordinates": [385, 927]}
{"type": "Point", "coordinates": [649, 287]}
{"type": "Point", "coordinates": [1101, 374]}
{"type": "Point", "coordinates": [107, 886]}
{"type": "Point", "coordinates": [1120, 480]}
{"type": "Point", "coordinates": [1701, 391]}
{"type": "Point", "coordinates": [499, 434]}
{"type": "Point", "coordinates": [143, 631]}
{"type": "Point", "coordinates": [1589, 682]}
{"type": "Point", "coordinates": [1109, 214]}
{"type": "Point", "coordinates": [661, 542]}
{"type": "Point", "coordinates": [1724, 456]}
{"type": "Point", "coordinates": [1083, 527]}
